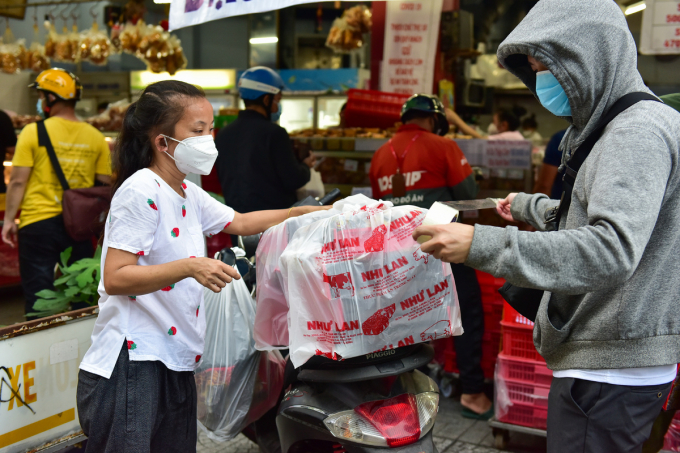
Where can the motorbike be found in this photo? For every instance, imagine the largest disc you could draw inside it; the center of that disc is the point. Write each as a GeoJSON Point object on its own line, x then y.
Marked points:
{"type": "Point", "coordinates": [377, 402]}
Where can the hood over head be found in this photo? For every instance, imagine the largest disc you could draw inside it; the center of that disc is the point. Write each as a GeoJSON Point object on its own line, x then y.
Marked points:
{"type": "Point", "coordinates": [587, 46]}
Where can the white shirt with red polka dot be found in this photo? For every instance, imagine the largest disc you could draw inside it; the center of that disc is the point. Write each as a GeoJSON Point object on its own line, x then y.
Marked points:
{"type": "Point", "coordinates": [151, 220]}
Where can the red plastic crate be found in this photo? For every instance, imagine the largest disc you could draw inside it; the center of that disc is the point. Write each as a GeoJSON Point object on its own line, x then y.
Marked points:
{"type": "Point", "coordinates": [526, 415]}
{"type": "Point", "coordinates": [370, 108]}
{"type": "Point", "coordinates": [488, 280]}
{"type": "Point", "coordinates": [518, 341]}
{"type": "Point", "coordinates": [511, 316]}
{"type": "Point", "coordinates": [523, 370]}
{"type": "Point", "coordinates": [672, 439]}
{"type": "Point", "coordinates": [530, 394]}
{"type": "Point", "coordinates": [493, 315]}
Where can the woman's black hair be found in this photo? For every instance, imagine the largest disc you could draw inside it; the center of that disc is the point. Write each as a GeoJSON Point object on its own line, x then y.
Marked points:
{"type": "Point", "coordinates": [530, 122]}
{"type": "Point", "coordinates": [511, 116]}
{"type": "Point", "coordinates": [158, 109]}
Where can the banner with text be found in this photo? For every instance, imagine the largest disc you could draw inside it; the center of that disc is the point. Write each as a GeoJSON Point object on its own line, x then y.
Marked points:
{"type": "Point", "coordinates": [660, 28]}
{"type": "Point", "coordinates": [411, 36]}
{"type": "Point", "coordinates": [193, 12]}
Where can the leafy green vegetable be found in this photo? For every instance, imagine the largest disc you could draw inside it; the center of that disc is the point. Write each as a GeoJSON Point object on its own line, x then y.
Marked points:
{"type": "Point", "coordinates": [77, 283]}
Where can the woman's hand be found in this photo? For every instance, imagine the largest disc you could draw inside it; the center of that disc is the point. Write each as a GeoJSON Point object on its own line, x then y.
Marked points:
{"type": "Point", "coordinates": [213, 274]}
{"type": "Point", "coordinates": [503, 207]}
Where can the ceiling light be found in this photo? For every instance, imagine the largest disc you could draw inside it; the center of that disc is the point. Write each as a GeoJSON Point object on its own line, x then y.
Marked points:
{"type": "Point", "coordinates": [162, 1]}
{"type": "Point", "coordinates": [265, 40]}
{"type": "Point", "coordinates": [635, 8]}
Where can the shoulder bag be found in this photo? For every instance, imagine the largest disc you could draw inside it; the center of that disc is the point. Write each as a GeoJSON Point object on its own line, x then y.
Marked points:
{"type": "Point", "coordinates": [84, 210]}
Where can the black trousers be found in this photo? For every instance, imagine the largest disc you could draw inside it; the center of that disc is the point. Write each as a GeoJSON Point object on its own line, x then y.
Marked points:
{"type": "Point", "coordinates": [143, 408]}
{"type": "Point", "coordinates": [469, 345]}
{"type": "Point", "coordinates": [40, 245]}
{"type": "Point", "coordinates": [592, 417]}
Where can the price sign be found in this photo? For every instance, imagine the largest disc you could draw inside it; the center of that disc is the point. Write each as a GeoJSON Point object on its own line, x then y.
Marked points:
{"type": "Point", "coordinates": [660, 28]}
{"type": "Point", "coordinates": [411, 35]}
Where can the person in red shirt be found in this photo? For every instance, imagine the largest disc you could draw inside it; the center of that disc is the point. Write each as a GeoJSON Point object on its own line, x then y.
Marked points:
{"type": "Point", "coordinates": [418, 167]}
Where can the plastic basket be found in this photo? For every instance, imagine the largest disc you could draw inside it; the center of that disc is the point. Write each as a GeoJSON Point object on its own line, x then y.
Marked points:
{"type": "Point", "coordinates": [511, 316]}
{"type": "Point", "coordinates": [489, 281]}
{"type": "Point", "coordinates": [531, 394]}
{"type": "Point", "coordinates": [522, 370]}
{"type": "Point", "coordinates": [526, 415]}
{"type": "Point", "coordinates": [369, 108]}
{"type": "Point", "coordinates": [493, 315]}
{"type": "Point", "coordinates": [672, 439]}
{"type": "Point", "coordinates": [518, 341]}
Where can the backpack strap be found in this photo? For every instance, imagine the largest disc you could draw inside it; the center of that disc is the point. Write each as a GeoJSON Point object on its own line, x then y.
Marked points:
{"type": "Point", "coordinates": [573, 165]}
{"type": "Point", "coordinates": [44, 140]}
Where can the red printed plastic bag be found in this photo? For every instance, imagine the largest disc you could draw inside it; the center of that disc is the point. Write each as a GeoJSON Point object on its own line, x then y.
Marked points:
{"type": "Point", "coordinates": [271, 319]}
{"type": "Point", "coordinates": [358, 283]}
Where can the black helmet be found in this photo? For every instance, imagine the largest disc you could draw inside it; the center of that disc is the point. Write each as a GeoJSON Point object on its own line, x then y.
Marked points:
{"type": "Point", "coordinates": [429, 104]}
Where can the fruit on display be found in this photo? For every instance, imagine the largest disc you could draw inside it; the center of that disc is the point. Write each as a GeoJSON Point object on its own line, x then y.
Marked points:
{"type": "Point", "coordinates": [347, 31]}
{"type": "Point", "coordinates": [112, 118]}
{"type": "Point", "coordinates": [350, 132]}
{"type": "Point", "coordinates": [95, 46]}
{"type": "Point", "coordinates": [19, 121]}
{"type": "Point", "coordinates": [160, 50]}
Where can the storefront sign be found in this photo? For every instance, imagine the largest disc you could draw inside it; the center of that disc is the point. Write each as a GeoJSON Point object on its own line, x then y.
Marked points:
{"type": "Point", "coordinates": [38, 381]}
{"type": "Point", "coordinates": [411, 36]}
{"type": "Point", "coordinates": [660, 28]}
{"type": "Point", "coordinates": [193, 12]}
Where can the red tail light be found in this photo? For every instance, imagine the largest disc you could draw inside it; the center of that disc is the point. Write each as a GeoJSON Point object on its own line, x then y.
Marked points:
{"type": "Point", "coordinates": [395, 418]}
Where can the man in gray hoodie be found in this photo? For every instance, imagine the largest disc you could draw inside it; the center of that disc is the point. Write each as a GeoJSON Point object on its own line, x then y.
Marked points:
{"type": "Point", "coordinates": [608, 324]}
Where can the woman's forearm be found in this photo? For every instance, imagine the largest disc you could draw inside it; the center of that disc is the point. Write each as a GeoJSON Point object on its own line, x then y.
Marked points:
{"type": "Point", "coordinates": [257, 221]}
{"type": "Point", "coordinates": [135, 280]}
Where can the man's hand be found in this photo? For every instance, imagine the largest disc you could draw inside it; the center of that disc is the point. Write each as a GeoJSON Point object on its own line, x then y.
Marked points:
{"type": "Point", "coordinates": [450, 243]}
{"type": "Point", "coordinates": [10, 233]}
{"type": "Point", "coordinates": [310, 161]}
{"type": "Point", "coordinates": [503, 207]}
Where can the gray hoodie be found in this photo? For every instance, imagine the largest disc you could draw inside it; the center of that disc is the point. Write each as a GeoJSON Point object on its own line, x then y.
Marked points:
{"type": "Point", "coordinates": [612, 272]}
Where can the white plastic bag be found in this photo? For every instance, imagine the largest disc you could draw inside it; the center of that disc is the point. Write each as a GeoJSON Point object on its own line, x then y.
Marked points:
{"type": "Point", "coordinates": [358, 283]}
{"type": "Point", "coordinates": [313, 188]}
{"type": "Point", "coordinates": [233, 379]}
{"type": "Point", "coordinates": [271, 320]}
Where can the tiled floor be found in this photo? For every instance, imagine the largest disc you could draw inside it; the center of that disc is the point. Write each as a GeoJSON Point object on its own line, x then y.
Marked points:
{"type": "Point", "coordinates": [452, 434]}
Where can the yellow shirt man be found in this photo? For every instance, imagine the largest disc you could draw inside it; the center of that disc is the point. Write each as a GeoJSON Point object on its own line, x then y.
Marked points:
{"type": "Point", "coordinates": [82, 152]}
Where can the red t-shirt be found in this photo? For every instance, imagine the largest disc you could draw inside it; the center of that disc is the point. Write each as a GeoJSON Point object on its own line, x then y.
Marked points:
{"type": "Point", "coordinates": [434, 167]}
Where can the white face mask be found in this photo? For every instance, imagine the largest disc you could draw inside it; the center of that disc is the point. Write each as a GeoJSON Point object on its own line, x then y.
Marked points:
{"type": "Point", "coordinates": [194, 154]}
{"type": "Point", "coordinates": [492, 130]}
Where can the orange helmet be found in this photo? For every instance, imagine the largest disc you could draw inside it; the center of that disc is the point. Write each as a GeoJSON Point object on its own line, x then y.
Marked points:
{"type": "Point", "coordinates": [59, 82]}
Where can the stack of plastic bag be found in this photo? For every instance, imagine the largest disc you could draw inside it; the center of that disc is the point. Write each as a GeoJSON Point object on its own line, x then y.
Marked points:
{"type": "Point", "coordinates": [357, 283]}
{"type": "Point", "coordinates": [236, 384]}
{"type": "Point", "coordinates": [271, 321]}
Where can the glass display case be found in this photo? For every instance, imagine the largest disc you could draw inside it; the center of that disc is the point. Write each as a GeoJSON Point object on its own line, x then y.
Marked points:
{"type": "Point", "coordinates": [298, 112]}
{"type": "Point", "coordinates": [328, 110]}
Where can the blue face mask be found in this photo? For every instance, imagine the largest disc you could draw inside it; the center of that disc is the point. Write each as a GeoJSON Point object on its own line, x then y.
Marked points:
{"type": "Point", "coordinates": [41, 112]}
{"type": "Point", "coordinates": [551, 94]}
{"type": "Point", "coordinates": [276, 116]}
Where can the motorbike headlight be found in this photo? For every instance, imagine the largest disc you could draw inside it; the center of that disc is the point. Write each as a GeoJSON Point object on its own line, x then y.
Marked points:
{"type": "Point", "coordinates": [394, 422]}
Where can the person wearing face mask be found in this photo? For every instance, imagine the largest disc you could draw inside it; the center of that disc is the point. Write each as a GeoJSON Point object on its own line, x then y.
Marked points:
{"type": "Point", "coordinates": [136, 389]}
{"type": "Point", "coordinates": [84, 157]}
{"type": "Point", "coordinates": [418, 166]}
{"type": "Point", "coordinates": [256, 165]}
{"type": "Point", "coordinates": [606, 261]}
